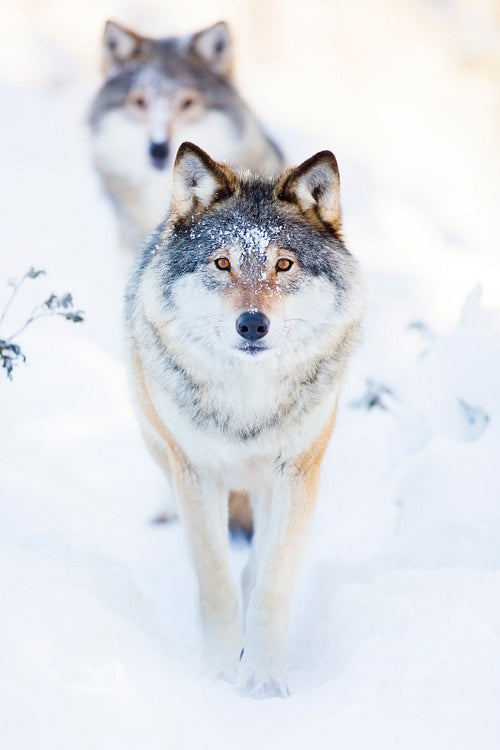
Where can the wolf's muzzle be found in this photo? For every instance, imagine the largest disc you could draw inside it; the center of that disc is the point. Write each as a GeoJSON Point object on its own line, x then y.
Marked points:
{"type": "Point", "coordinates": [252, 325]}
{"type": "Point", "coordinates": [158, 153]}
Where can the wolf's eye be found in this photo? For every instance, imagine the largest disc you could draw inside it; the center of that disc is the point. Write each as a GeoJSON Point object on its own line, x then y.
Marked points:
{"type": "Point", "coordinates": [138, 99]}
{"type": "Point", "coordinates": [189, 100]}
{"type": "Point", "coordinates": [284, 264]}
{"type": "Point", "coordinates": [223, 264]}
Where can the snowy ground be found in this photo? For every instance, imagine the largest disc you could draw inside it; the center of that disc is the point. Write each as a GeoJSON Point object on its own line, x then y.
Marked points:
{"type": "Point", "coordinates": [395, 631]}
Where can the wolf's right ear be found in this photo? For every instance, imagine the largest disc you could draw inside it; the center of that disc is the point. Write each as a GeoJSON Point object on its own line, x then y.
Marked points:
{"type": "Point", "coordinates": [119, 45]}
{"type": "Point", "coordinates": [198, 180]}
{"type": "Point", "coordinates": [214, 45]}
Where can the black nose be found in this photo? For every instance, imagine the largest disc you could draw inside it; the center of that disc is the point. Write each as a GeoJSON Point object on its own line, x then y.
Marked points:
{"type": "Point", "coordinates": [159, 154]}
{"type": "Point", "coordinates": [252, 325]}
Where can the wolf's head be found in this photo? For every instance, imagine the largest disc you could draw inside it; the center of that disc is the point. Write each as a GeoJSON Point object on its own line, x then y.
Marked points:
{"type": "Point", "coordinates": [159, 92]}
{"type": "Point", "coordinates": [249, 267]}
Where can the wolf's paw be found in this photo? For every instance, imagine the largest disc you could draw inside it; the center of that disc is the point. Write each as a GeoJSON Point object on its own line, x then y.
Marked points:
{"type": "Point", "coordinates": [259, 683]}
{"type": "Point", "coordinates": [163, 518]}
{"type": "Point", "coordinates": [261, 689]}
{"type": "Point", "coordinates": [166, 515]}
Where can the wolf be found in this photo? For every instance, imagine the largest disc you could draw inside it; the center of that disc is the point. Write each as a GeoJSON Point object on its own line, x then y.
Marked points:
{"type": "Point", "coordinates": [156, 94]}
{"type": "Point", "coordinates": [242, 312]}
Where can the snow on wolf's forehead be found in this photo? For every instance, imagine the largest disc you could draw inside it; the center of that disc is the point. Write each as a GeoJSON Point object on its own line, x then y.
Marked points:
{"type": "Point", "coordinates": [251, 239]}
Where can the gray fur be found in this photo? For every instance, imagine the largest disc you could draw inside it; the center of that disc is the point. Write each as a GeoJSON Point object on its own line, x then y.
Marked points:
{"type": "Point", "coordinates": [241, 220]}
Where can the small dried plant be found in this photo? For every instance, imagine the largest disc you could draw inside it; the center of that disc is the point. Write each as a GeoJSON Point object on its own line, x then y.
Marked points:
{"type": "Point", "coordinates": [11, 353]}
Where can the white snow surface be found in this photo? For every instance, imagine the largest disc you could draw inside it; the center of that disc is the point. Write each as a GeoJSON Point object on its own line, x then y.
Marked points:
{"type": "Point", "coordinates": [395, 625]}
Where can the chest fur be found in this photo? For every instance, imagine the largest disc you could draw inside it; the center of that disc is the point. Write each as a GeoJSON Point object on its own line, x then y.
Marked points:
{"type": "Point", "coordinates": [240, 409]}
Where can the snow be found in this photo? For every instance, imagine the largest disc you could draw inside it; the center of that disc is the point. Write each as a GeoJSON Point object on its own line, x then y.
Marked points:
{"type": "Point", "coordinates": [395, 625]}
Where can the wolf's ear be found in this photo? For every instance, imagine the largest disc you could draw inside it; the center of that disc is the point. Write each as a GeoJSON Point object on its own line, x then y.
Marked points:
{"type": "Point", "coordinates": [119, 45]}
{"type": "Point", "coordinates": [215, 47]}
{"type": "Point", "coordinates": [198, 180]}
{"type": "Point", "coordinates": [315, 187]}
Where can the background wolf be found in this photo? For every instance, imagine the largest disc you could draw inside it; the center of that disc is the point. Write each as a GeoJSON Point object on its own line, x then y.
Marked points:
{"type": "Point", "coordinates": [242, 313]}
{"type": "Point", "coordinates": [158, 93]}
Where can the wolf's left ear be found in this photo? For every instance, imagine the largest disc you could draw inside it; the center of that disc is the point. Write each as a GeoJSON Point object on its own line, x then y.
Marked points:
{"type": "Point", "coordinates": [198, 180]}
{"type": "Point", "coordinates": [119, 45]}
{"type": "Point", "coordinates": [315, 187]}
{"type": "Point", "coordinates": [215, 47]}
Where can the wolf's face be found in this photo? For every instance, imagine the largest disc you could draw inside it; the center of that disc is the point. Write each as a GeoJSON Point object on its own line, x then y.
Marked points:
{"type": "Point", "coordinates": [159, 93]}
{"type": "Point", "coordinates": [252, 268]}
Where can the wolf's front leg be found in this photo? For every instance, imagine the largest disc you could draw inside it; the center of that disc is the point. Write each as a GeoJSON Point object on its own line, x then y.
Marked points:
{"type": "Point", "coordinates": [204, 511]}
{"type": "Point", "coordinates": [285, 521]}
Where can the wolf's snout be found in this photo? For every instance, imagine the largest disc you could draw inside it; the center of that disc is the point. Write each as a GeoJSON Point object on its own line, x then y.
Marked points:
{"type": "Point", "coordinates": [252, 325]}
{"type": "Point", "coordinates": [158, 153]}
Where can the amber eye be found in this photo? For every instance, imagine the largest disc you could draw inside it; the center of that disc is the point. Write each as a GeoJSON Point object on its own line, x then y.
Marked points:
{"type": "Point", "coordinates": [284, 264]}
{"type": "Point", "coordinates": [223, 264]}
{"type": "Point", "coordinates": [188, 100]}
{"type": "Point", "coordinates": [138, 99]}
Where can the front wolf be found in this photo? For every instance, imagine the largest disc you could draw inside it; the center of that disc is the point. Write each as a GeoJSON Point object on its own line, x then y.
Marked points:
{"type": "Point", "coordinates": [158, 93]}
{"type": "Point", "coordinates": [242, 314]}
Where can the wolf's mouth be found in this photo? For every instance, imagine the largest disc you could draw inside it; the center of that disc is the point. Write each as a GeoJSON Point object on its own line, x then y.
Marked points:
{"type": "Point", "coordinates": [252, 349]}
